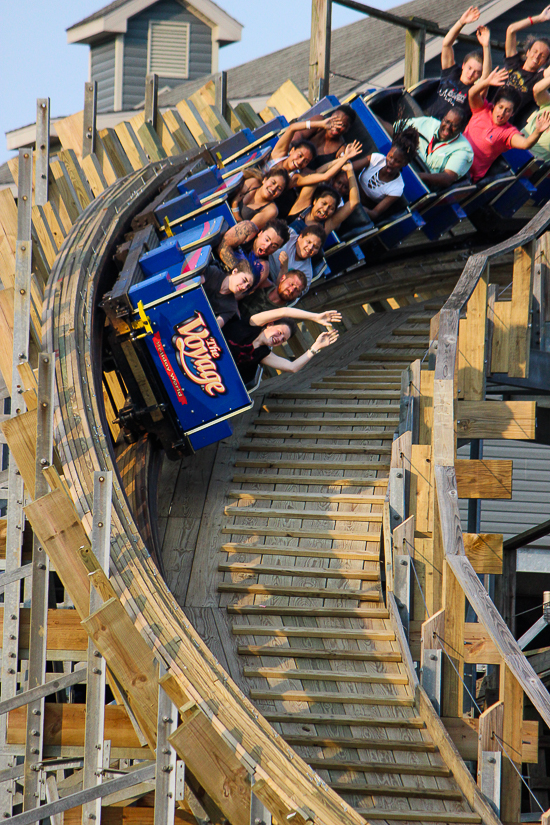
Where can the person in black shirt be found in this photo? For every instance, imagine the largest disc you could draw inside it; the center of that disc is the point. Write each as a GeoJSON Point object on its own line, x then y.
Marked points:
{"type": "Point", "coordinates": [250, 342]}
{"type": "Point", "coordinates": [222, 290]}
{"type": "Point", "coordinates": [456, 81]}
{"type": "Point", "coordinates": [526, 71]}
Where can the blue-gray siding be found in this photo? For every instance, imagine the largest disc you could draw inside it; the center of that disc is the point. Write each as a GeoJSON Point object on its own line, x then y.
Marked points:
{"type": "Point", "coordinates": [103, 71]}
{"type": "Point", "coordinates": [135, 49]}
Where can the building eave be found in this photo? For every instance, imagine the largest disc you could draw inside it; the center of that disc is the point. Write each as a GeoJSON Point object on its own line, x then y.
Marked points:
{"type": "Point", "coordinates": [116, 22]}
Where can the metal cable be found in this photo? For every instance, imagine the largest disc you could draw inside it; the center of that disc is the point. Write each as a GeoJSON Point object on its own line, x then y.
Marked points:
{"type": "Point", "coordinates": [454, 667]}
{"type": "Point", "coordinates": [507, 755]}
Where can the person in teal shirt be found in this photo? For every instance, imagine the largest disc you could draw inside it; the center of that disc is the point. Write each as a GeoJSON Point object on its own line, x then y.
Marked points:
{"type": "Point", "coordinates": [541, 149]}
{"type": "Point", "coordinates": [444, 150]}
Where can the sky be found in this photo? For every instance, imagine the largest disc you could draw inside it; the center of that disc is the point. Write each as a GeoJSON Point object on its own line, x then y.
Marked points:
{"type": "Point", "coordinates": [36, 61]}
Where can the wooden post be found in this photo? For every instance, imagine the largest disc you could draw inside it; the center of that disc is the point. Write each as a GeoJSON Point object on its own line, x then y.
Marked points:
{"type": "Point", "coordinates": [431, 657]}
{"type": "Point", "coordinates": [259, 814]}
{"type": "Point", "coordinates": [15, 518]}
{"type": "Point", "coordinates": [39, 593]}
{"type": "Point", "coordinates": [151, 99]}
{"type": "Point", "coordinates": [42, 163]}
{"type": "Point", "coordinates": [89, 130]}
{"type": "Point", "coordinates": [511, 694]}
{"type": "Point", "coordinates": [520, 312]}
{"type": "Point", "coordinates": [319, 49]}
{"type": "Point", "coordinates": [165, 785]}
{"type": "Point", "coordinates": [95, 694]}
{"type": "Point", "coordinates": [489, 755]}
{"type": "Point", "coordinates": [415, 45]}
{"type": "Point", "coordinates": [220, 85]}
{"type": "Point", "coordinates": [454, 605]}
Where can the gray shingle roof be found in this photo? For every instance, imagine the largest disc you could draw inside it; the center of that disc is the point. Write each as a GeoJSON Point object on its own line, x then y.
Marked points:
{"type": "Point", "coordinates": [359, 51]}
{"type": "Point", "coordinates": [116, 4]}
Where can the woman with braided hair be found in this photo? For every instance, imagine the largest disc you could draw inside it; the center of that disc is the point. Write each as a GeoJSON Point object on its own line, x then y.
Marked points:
{"type": "Point", "coordinates": [380, 181]}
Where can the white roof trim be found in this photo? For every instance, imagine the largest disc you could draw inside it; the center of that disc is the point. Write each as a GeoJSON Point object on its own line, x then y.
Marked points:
{"type": "Point", "coordinates": [116, 22]}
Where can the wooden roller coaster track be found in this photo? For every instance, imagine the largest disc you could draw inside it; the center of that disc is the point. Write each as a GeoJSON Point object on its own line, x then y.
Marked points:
{"type": "Point", "coordinates": [319, 714]}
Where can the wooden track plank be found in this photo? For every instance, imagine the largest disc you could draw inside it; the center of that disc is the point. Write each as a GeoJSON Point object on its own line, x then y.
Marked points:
{"type": "Point", "coordinates": [336, 697]}
{"type": "Point", "coordinates": [299, 552]}
{"type": "Point", "coordinates": [309, 481]}
{"type": "Point", "coordinates": [340, 498]}
{"type": "Point", "coordinates": [310, 572]}
{"type": "Point", "coordinates": [324, 515]}
{"type": "Point", "coordinates": [300, 533]}
{"type": "Point", "coordinates": [326, 676]}
{"type": "Point", "coordinates": [313, 632]}
{"type": "Point", "coordinates": [288, 590]}
{"type": "Point", "coordinates": [328, 612]}
{"type": "Point", "coordinates": [379, 767]}
{"type": "Point", "coordinates": [317, 654]}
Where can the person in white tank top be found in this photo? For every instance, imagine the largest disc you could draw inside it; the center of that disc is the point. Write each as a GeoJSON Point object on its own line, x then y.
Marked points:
{"type": "Point", "coordinates": [380, 178]}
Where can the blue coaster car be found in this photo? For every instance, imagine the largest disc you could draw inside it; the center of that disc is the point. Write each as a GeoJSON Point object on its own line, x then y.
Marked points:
{"type": "Point", "coordinates": [192, 367]}
{"type": "Point", "coordinates": [172, 251]}
{"type": "Point", "coordinates": [185, 212]}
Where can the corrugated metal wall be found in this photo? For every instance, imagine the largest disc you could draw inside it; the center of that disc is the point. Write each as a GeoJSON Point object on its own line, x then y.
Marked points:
{"type": "Point", "coordinates": [530, 502]}
{"type": "Point", "coordinates": [135, 49]}
{"type": "Point", "coordinates": [103, 71]}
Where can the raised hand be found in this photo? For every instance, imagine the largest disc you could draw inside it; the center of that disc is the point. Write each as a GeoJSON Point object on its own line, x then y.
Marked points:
{"type": "Point", "coordinates": [329, 317]}
{"type": "Point", "coordinates": [545, 14]}
{"type": "Point", "coordinates": [325, 339]}
{"type": "Point", "coordinates": [283, 260]}
{"type": "Point", "coordinates": [353, 149]}
{"type": "Point", "coordinates": [470, 15]}
{"type": "Point", "coordinates": [498, 77]}
{"type": "Point", "coordinates": [483, 35]}
{"type": "Point", "coordinates": [543, 122]}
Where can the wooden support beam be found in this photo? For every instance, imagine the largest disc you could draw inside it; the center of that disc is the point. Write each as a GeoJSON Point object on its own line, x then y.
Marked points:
{"type": "Point", "coordinates": [56, 523]}
{"type": "Point", "coordinates": [95, 695]}
{"type": "Point", "coordinates": [464, 732]}
{"type": "Point", "coordinates": [482, 478]}
{"type": "Point", "coordinates": [485, 551]}
{"type": "Point", "coordinates": [520, 327]}
{"type": "Point", "coordinates": [319, 50]}
{"type": "Point", "coordinates": [42, 151]}
{"type": "Point", "coordinates": [471, 345]}
{"type": "Point", "coordinates": [490, 723]}
{"type": "Point", "coordinates": [89, 119]}
{"type": "Point", "coordinates": [499, 316]}
{"type": "Point", "coordinates": [478, 646]}
{"type": "Point", "coordinates": [511, 695]}
{"type": "Point", "coordinates": [64, 725]}
{"type": "Point", "coordinates": [20, 433]}
{"type": "Point", "coordinates": [130, 658]}
{"type": "Point", "coordinates": [496, 419]}
{"type": "Point", "coordinates": [40, 584]}
{"type": "Point", "coordinates": [208, 757]}
{"type": "Point", "coordinates": [165, 787]}
{"type": "Point", "coordinates": [281, 812]}
{"type": "Point", "coordinates": [151, 99]}
{"type": "Point", "coordinates": [454, 606]}
{"type": "Point", "coordinates": [415, 47]}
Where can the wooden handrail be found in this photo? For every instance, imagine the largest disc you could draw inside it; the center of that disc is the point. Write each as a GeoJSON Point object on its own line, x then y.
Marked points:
{"type": "Point", "coordinates": [445, 475]}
